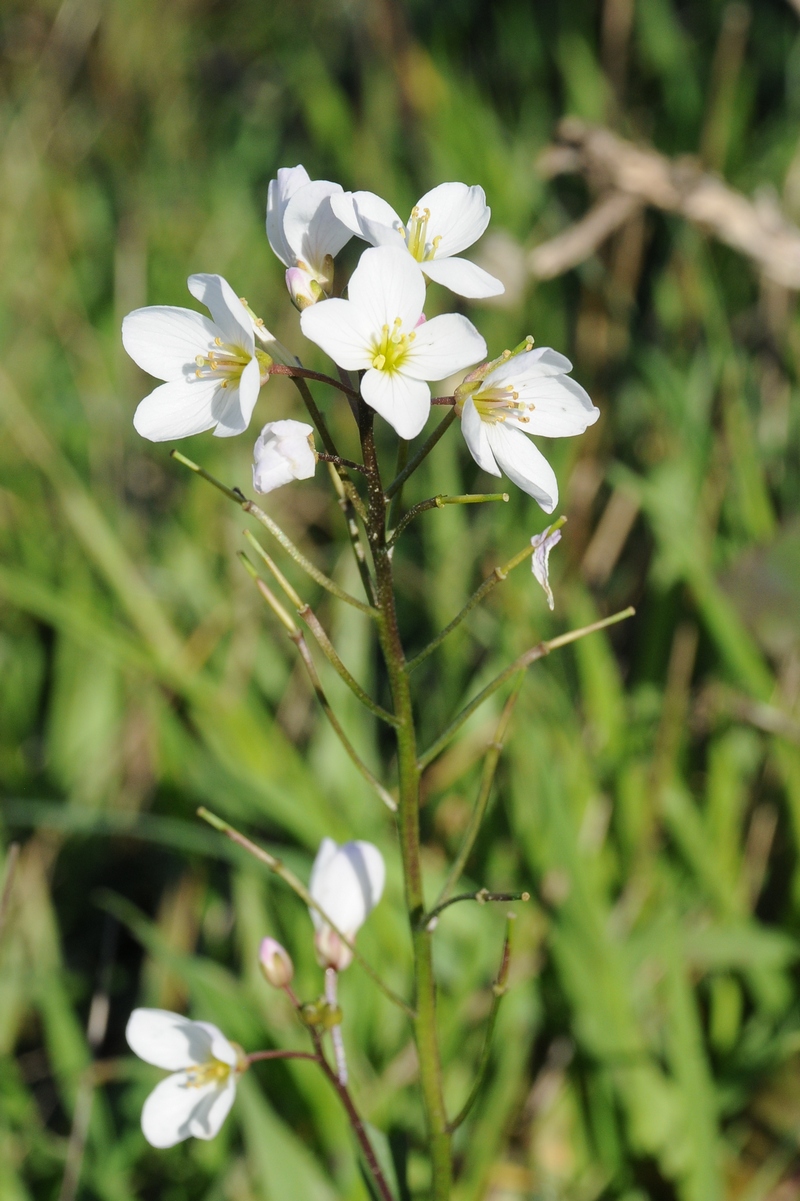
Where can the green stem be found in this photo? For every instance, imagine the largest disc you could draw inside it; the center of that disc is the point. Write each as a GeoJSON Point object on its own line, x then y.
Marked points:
{"type": "Point", "coordinates": [329, 444]}
{"type": "Point", "coordinates": [250, 507]}
{"type": "Point", "coordinates": [524, 660]}
{"type": "Point", "coordinates": [422, 453]}
{"type": "Point", "coordinates": [318, 630]}
{"type": "Point", "coordinates": [439, 502]}
{"type": "Point", "coordinates": [408, 821]}
{"type": "Point", "coordinates": [297, 638]}
{"type": "Point", "coordinates": [354, 534]}
{"type": "Point", "coordinates": [487, 778]}
{"type": "Point", "coordinates": [298, 887]}
{"type": "Point", "coordinates": [497, 577]}
{"type": "Point", "coordinates": [499, 990]}
{"type": "Point", "coordinates": [482, 896]}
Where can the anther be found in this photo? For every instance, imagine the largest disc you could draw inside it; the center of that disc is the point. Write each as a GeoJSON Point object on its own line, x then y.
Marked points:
{"type": "Point", "coordinates": [379, 361]}
{"type": "Point", "coordinates": [218, 341]}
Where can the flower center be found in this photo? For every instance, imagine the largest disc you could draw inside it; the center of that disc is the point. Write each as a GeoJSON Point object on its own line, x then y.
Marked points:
{"type": "Point", "coordinates": [389, 353]}
{"type": "Point", "coordinates": [416, 234]}
{"type": "Point", "coordinates": [225, 363]}
{"type": "Point", "coordinates": [212, 1072]}
{"type": "Point", "coordinates": [498, 404]}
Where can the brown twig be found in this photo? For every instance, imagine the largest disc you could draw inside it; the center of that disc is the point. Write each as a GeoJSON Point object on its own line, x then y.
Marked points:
{"type": "Point", "coordinates": [629, 176]}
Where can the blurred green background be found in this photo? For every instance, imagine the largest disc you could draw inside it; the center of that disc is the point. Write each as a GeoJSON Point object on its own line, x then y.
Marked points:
{"type": "Point", "coordinates": [650, 794]}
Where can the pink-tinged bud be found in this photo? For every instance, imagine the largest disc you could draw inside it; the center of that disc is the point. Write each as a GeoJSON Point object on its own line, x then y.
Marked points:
{"type": "Point", "coordinates": [303, 288]}
{"type": "Point", "coordinates": [276, 964]}
{"type": "Point", "coordinates": [331, 951]}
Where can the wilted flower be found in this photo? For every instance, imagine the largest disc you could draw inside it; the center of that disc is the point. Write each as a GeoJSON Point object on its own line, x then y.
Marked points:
{"type": "Point", "coordinates": [276, 963]}
{"type": "Point", "coordinates": [284, 451]}
{"type": "Point", "coordinates": [212, 368]}
{"type": "Point", "coordinates": [540, 560]}
{"type": "Point", "coordinates": [197, 1097]}
{"type": "Point", "coordinates": [378, 330]}
{"type": "Point", "coordinates": [444, 221]}
{"type": "Point", "coordinates": [347, 883]}
{"type": "Point", "coordinates": [524, 393]}
{"type": "Point", "coordinates": [304, 232]}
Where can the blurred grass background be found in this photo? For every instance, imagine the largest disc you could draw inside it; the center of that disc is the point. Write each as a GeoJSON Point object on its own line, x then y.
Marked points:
{"type": "Point", "coordinates": [650, 794]}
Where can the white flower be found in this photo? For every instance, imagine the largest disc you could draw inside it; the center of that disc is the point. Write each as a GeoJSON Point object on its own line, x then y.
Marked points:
{"type": "Point", "coordinates": [527, 393]}
{"type": "Point", "coordinates": [304, 232]}
{"type": "Point", "coordinates": [347, 883]}
{"type": "Point", "coordinates": [212, 368]}
{"type": "Point", "coordinates": [540, 560]}
{"type": "Point", "coordinates": [377, 330]}
{"type": "Point", "coordinates": [444, 221]}
{"type": "Point", "coordinates": [196, 1098]}
{"type": "Point", "coordinates": [283, 452]}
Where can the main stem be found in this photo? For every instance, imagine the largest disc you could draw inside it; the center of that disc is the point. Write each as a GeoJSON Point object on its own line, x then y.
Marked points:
{"type": "Point", "coordinates": [408, 820]}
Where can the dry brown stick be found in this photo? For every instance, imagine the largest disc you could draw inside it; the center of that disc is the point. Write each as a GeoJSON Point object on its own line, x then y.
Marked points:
{"type": "Point", "coordinates": [579, 241]}
{"type": "Point", "coordinates": [757, 229]}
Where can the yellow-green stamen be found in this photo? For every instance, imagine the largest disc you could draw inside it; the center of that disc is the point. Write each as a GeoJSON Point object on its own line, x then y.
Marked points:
{"type": "Point", "coordinates": [389, 353]}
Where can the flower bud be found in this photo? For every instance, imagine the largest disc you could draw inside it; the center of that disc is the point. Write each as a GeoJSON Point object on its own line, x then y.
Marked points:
{"type": "Point", "coordinates": [283, 452]}
{"type": "Point", "coordinates": [331, 951]}
{"type": "Point", "coordinates": [304, 289]}
{"type": "Point", "coordinates": [276, 963]}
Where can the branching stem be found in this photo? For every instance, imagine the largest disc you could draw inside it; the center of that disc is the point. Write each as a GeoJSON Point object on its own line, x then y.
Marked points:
{"type": "Point", "coordinates": [487, 778]}
{"type": "Point", "coordinates": [422, 454]}
{"type": "Point", "coordinates": [253, 509]}
{"type": "Point", "coordinates": [439, 502]}
{"type": "Point", "coordinates": [297, 638]}
{"type": "Point", "coordinates": [524, 660]}
{"type": "Point", "coordinates": [499, 989]}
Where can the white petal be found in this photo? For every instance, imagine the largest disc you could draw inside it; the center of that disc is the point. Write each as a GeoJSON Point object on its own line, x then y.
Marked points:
{"type": "Point", "coordinates": [386, 284]}
{"type": "Point", "coordinates": [167, 1040]}
{"type": "Point", "coordinates": [370, 217]}
{"type": "Point", "coordinates": [443, 346]}
{"type": "Point", "coordinates": [402, 401]}
{"type": "Point", "coordinates": [164, 340]}
{"type": "Point", "coordinates": [208, 1116]}
{"type": "Point", "coordinates": [538, 363]}
{"type": "Point", "coordinates": [342, 331]}
{"type": "Point", "coordinates": [324, 857]}
{"type": "Point", "coordinates": [279, 193]}
{"type": "Point", "coordinates": [221, 1048]}
{"type": "Point", "coordinates": [233, 407]}
{"type": "Point", "coordinates": [524, 464]}
{"type": "Point", "coordinates": [178, 409]}
{"type": "Point", "coordinates": [459, 215]}
{"type": "Point", "coordinates": [562, 409]}
{"type": "Point", "coordinates": [540, 560]}
{"type": "Point", "coordinates": [463, 277]}
{"type": "Point", "coordinates": [475, 436]}
{"type": "Point", "coordinates": [177, 1109]}
{"type": "Point", "coordinates": [349, 883]}
{"type": "Point", "coordinates": [225, 307]}
{"type": "Point", "coordinates": [310, 225]}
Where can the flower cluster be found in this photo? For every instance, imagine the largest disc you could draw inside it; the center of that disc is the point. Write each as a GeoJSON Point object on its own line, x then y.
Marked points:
{"type": "Point", "coordinates": [379, 338]}
{"type": "Point", "coordinates": [387, 352]}
{"type": "Point", "coordinates": [195, 1098]}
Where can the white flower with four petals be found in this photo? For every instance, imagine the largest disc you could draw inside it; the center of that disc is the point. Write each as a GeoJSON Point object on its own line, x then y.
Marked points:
{"type": "Point", "coordinates": [212, 368]}
{"type": "Point", "coordinates": [196, 1098]}
{"type": "Point", "coordinates": [347, 883]}
{"type": "Point", "coordinates": [304, 232]}
{"type": "Point", "coordinates": [527, 393]}
{"type": "Point", "coordinates": [381, 330]}
{"type": "Point", "coordinates": [443, 222]}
